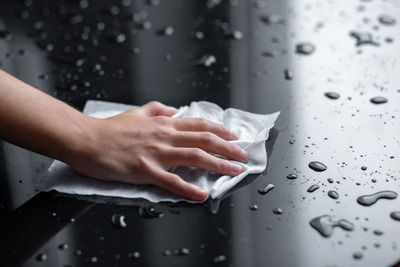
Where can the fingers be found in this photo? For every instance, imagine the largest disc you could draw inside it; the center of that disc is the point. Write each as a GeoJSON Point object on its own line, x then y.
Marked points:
{"type": "Point", "coordinates": [196, 157]}
{"type": "Point", "coordinates": [156, 109]}
{"type": "Point", "coordinates": [202, 125]}
{"type": "Point", "coordinates": [176, 185]}
{"type": "Point", "coordinates": [211, 143]}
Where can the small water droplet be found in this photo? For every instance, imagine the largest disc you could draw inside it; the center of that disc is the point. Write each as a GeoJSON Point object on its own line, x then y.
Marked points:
{"type": "Point", "coordinates": [395, 215]}
{"type": "Point", "coordinates": [134, 255]}
{"type": "Point", "coordinates": [63, 246]}
{"type": "Point", "coordinates": [207, 60]}
{"type": "Point", "coordinates": [330, 180]}
{"type": "Point", "coordinates": [266, 189]}
{"type": "Point", "coordinates": [357, 255]}
{"type": "Point", "coordinates": [253, 207]}
{"type": "Point", "coordinates": [78, 252]}
{"type": "Point", "coordinates": [333, 194]}
{"type": "Point", "coordinates": [364, 168]}
{"type": "Point", "coordinates": [288, 74]}
{"type": "Point", "coordinates": [291, 176]}
{"type": "Point", "coordinates": [378, 232]}
{"type": "Point", "coordinates": [325, 224]}
{"type": "Point", "coordinates": [167, 252]}
{"type": "Point", "coordinates": [313, 188]}
{"type": "Point", "coordinates": [386, 20]}
{"type": "Point", "coordinates": [305, 48]}
{"type": "Point", "coordinates": [41, 257]}
{"type": "Point", "coordinates": [183, 251]}
{"type": "Point", "coordinates": [332, 95]}
{"type": "Point", "coordinates": [277, 211]}
{"type": "Point", "coordinates": [118, 220]}
{"type": "Point", "coordinates": [317, 166]}
{"type": "Point", "coordinates": [149, 212]}
{"type": "Point", "coordinates": [219, 259]}
{"type": "Point", "coordinates": [378, 100]}
{"type": "Point", "coordinates": [368, 200]}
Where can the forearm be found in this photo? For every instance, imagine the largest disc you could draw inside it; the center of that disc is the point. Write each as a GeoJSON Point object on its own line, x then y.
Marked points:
{"type": "Point", "coordinates": [39, 122]}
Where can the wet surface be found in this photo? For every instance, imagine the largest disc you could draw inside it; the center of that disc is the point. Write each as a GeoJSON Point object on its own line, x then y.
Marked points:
{"type": "Point", "coordinates": [239, 54]}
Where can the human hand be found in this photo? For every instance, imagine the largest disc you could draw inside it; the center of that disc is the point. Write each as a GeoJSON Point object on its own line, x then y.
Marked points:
{"type": "Point", "coordinates": [140, 146]}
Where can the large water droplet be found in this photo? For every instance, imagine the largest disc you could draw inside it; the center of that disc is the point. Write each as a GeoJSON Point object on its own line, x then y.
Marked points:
{"type": "Point", "coordinates": [325, 225]}
{"type": "Point", "coordinates": [313, 188]}
{"type": "Point", "coordinates": [368, 200]}
{"type": "Point", "coordinates": [317, 166]}
{"type": "Point", "coordinates": [266, 189]}
{"type": "Point", "coordinates": [395, 215]}
{"type": "Point", "coordinates": [363, 38]}
{"type": "Point", "coordinates": [378, 100]}
{"type": "Point", "coordinates": [333, 194]}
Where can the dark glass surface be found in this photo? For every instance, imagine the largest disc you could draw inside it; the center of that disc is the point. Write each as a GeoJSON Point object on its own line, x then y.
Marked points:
{"type": "Point", "coordinates": [118, 51]}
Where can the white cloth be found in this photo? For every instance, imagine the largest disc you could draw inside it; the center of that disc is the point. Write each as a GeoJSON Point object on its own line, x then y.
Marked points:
{"type": "Point", "coordinates": [252, 129]}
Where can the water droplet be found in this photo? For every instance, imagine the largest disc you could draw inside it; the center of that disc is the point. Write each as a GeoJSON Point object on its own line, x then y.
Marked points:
{"type": "Point", "coordinates": [313, 188]}
{"type": "Point", "coordinates": [288, 74]}
{"type": "Point", "coordinates": [357, 255]}
{"type": "Point", "coordinates": [368, 200]}
{"type": "Point", "coordinates": [253, 207]}
{"type": "Point", "coordinates": [317, 166]}
{"type": "Point", "coordinates": [207, 60]}
{"type": "Point", "coordinates": [168, 31]}
{"type": "Point", "coordinates": [277, 211]}
{"type": "Point", "coordinates": [333, 194]}
{"type": "Point", "coordinates": [332, 95]}
{"type": "Point", "coordinates": [235, 35]}
{"type": "Point", "coordinates": [199, 35]}
{"type": "Point", "coordinates": [167, 252]}
{"type": "Point", "coordinates": [395, 215]}
{"type": "Point", "coordinates": [118, 220]}
{"type": "Point", "coordinates": [363, 38]}
{"type": "Point", "coordinates": [272, 19]}
{"type": "Point", "coordinates": [291, 176]}
{"type": "Point", "coordinates": [6, 35]}
{"type": "Point", "coordinates": [41, 257]}
{"type": "Point", "coordinates": [378, 100]}
{"type": "Point", "coordinates": [325, 225]}
{"type": "Point", "coordinates": [149, 212]}
{"type": "Point", "coordinates": [183, 252]}
{"type": "Point", "coordinates": [270, 54]}
{"type": "Point", "coordinates": [63, 246]}
{"type": "Point", "coordinates": [386, 20]}
{"type": "Point", "coordinates": [364, 168]}
{"type": "Point", "coordinates": [92, 259]}
{"type": "Point", "coordinates": [78, 252]}
{"type": "Point", "coordinates": [266, 189]}
{"type": "Point", "coordinates": [305, 48]}
{"type": "Point", "coordinates": [219, 259]}
{"type": "Point", "coordinates": [330, 180]}
{"type": "Point", "coordinates": [134, 255]}
{"type": "Point", "coordinates": [378, 232]}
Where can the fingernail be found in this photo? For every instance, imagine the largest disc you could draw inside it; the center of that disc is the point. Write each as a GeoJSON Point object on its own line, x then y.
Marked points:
{"type": "Point", "coordinates": [201, 189]}
{"type": "Point", "coordinates": [236, 169]}
{"type": "Point", "coordinates": [234, 136]}
{"type": "Point", "coordinates": [245, 156]}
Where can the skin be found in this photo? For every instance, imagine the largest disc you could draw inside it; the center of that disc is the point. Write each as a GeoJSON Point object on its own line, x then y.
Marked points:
{"type": "Point", "coordinates": [138, 146]}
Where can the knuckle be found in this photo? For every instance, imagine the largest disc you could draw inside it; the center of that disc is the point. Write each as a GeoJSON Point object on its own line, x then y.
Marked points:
{"type": "Point", "coordinates": [164, 133]}
{"type": "Point", "coordinates": [207, 138]}
{"type": "Point", "coordinates": [154, 104]}
{"type": "Point", "coordinates": [222, 166]}
{"type": "Point", "coordinates": [143, 163]}
{"type": "Point", "coordinates": [202, 122]}
{"type": "Point", "coordinates": [196, 154]}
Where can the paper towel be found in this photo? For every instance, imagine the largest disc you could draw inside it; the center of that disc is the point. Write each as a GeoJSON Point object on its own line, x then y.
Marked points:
{"type": "Point", "coordinates": [252, 129]}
